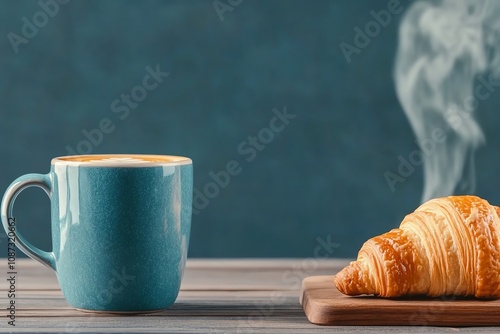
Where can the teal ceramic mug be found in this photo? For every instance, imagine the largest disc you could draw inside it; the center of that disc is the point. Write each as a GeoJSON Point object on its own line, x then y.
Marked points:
{"type": "Point", "coordinates": [120, 228]}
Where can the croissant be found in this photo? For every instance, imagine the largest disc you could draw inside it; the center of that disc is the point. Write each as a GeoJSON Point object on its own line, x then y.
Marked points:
{"type": "Point", "coordinates": [448, 246]}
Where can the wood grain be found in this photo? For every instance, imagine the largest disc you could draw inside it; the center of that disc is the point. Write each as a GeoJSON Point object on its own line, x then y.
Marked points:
{"type": "Point", "coordinates": [323, 304]}
{"type": "Point", "coordinates": [217, 296]}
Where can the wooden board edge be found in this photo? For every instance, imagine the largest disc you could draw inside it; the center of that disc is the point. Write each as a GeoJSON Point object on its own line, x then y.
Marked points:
{"type": "Point", "coordinates": [422, 318]}
{"type": "Point", "coordinates": [307, 303]}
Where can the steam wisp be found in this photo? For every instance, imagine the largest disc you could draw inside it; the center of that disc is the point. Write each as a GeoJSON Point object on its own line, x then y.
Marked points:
{"type": "Point", "coordinates": [443, 47]}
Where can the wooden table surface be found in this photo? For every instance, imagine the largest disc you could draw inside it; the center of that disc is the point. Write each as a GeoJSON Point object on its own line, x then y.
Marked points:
{"type": "Point", "coordinates": [217, 296]}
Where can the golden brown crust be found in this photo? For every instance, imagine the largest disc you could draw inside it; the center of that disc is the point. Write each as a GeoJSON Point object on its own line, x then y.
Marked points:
{"type": "Point", "coordinates": [448, 246]}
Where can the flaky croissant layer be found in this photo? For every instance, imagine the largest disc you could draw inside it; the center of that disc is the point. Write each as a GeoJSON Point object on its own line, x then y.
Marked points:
{"type": "Point", "coordinates": [448, 246]}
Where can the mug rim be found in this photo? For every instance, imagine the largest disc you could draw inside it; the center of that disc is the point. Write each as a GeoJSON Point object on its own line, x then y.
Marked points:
{"type": "Point", "coordinates": [169, 160]}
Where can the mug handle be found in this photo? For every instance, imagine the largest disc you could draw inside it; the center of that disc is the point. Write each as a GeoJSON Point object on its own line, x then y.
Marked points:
{"type": "Point", "coordinates": [8, 220]}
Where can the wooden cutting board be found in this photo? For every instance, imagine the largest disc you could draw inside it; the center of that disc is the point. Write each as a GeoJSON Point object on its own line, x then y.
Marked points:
{"type": "Point", "coordinates": [323, 304]}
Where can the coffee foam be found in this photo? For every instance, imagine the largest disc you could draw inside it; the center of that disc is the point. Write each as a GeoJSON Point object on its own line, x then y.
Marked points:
{"type": "Point", "coordinates": [122, 160]}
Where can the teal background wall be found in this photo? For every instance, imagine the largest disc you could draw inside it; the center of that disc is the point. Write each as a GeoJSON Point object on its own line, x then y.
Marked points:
{"type": "Point", "coordinates": [322, 176]}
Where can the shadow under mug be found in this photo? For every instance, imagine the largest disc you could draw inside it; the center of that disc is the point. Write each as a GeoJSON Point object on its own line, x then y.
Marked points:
{"type": "Point", "coordinates": [120, 228]}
